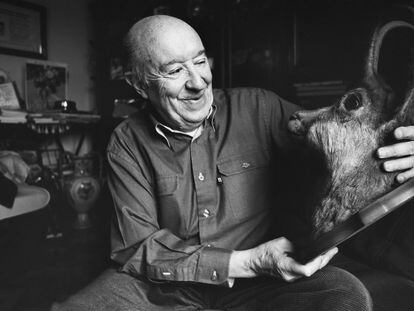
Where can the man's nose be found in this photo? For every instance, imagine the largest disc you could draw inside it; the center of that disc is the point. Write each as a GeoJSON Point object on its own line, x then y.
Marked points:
{"type": "Point", "coordinates": [195, 81]}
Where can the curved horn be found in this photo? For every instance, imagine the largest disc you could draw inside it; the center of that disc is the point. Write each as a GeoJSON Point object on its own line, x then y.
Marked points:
{"type": "Point", "coordinates": [376, 42]}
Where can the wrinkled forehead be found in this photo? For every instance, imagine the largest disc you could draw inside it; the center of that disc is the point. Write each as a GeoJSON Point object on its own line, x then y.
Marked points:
{"type": "Point", "coordinates": [174, 43]}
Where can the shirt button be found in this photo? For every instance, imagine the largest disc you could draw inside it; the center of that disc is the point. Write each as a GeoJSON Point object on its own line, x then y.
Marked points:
{"type": "Point", "coordinates": [214, 275]}
{"type": "Point", "coordinates": [245, 164]}
{"type": "Point", "coordinates": [206, 213]}
{"type": "Point", "coordinates": [219, 180]}
{"type": "Point", "coordinates": [201, 176]}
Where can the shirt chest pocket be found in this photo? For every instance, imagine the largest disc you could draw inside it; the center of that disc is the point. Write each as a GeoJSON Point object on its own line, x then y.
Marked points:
{"type": "Point", "coordinates": [246, 183]}
{"type": "Point", "coordinates": [167, 185]}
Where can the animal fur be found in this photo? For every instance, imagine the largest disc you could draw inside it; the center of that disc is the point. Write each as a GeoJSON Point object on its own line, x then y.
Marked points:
{"type": "Point", "coordinates": [347, 135]}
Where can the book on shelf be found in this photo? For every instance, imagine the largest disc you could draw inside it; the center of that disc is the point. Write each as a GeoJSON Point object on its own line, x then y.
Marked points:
{"type": "Point", "coordinates": [319, 83]}
{"type": "Point", "coordinates": [323, 88]}
{"type": "Point", "coordinates": [56, 117]}
{"type": "Point", "coordinates": [20, 116]}
{"type": "Point", "coordinates": [13, 116]}
{"type": "Point", "coordinates": [322, 92]}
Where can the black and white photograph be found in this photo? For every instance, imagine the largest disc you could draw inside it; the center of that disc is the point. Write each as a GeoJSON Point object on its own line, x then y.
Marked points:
{"type": "Point", "coordinates": [46, 83]}
{"type": "Point", "coordinates": [217, 155]}
{"type": "Point", "coordinates": [23, 29]}
{"type": "Point", "coordinates": [8, 97]}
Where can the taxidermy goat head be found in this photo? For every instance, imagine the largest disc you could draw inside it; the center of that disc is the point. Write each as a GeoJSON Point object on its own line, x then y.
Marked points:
{"type": "Point", "coordinates": [347, 134]}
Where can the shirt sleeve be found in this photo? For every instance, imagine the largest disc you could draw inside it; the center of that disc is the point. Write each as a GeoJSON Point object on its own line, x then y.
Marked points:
{"type": "Point", "coordinates": [294, 171]}
{"type": "Point", "coordinates": [141, 246]}
{"type": "Point", "coordinates": [277, 117]}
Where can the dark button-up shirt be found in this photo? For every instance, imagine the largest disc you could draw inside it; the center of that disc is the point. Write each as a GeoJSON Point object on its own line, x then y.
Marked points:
{"type": "Point", "coordinates": [181, 204]}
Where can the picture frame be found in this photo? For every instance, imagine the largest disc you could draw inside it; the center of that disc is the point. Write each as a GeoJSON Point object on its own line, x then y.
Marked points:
{"type": "Point", "coordinates": [45, 83]}
{"type": "Point", "coordinates": [23, 29]}
{"type": "Point", "coordinates": [8, 97]}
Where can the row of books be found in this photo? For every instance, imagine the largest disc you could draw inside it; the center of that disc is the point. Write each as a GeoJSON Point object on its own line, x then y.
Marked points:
{"type": "Point", "coordinates": [323, 88]}
{"type": "Point", "coordinates": [47, 117]}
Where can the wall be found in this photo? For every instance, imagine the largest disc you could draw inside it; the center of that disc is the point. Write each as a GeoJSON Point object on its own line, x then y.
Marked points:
{"type": "Point", "coordinates": [68, 34]}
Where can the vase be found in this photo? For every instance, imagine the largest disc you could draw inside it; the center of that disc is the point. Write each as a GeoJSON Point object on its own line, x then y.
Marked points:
{"type": "Point", "coordinates": [82, 190]}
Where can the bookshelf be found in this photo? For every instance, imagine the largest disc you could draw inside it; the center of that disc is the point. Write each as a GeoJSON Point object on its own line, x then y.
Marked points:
{"type": "Point", "coordinates": [312, 95]}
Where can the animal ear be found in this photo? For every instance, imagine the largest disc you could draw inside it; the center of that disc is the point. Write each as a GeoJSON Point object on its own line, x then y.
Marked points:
{"type": "Point", "coordinates": [390, 67]}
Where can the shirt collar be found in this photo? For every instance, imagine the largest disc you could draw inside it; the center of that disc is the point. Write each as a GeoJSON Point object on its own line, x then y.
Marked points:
{"type": "Point", "coordinates": [160, 128]}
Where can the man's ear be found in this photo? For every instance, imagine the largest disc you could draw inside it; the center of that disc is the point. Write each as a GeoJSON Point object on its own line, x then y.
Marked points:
{"type": "Point", "coordinates": [132, 81]}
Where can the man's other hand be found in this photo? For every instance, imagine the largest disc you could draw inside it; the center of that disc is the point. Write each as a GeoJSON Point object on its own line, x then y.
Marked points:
{"type": "Point", "coordinates": [400, 156]}
{"type": "Point", "coordinates": [273, 258]}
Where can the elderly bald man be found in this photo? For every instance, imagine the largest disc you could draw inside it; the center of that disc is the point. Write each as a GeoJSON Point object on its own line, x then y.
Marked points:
{"type": "Point", "coordinates": [191, 181]}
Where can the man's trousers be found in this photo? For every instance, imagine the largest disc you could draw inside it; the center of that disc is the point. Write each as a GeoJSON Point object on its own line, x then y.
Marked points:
{"type": "Point", "coordinates": [330, 289]}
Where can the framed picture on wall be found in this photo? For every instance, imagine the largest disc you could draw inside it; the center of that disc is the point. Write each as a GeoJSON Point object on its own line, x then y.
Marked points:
{"type": "Point", "coordinates": [45, 83]}
{"type": "Point", "coordinates": [23, 29]}
{"type": "Point", "coordinates": [8, 97]}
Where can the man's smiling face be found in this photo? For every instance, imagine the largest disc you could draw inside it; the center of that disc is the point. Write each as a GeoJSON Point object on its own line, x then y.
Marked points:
{"type": "Point", "coordinates": [178, 76]}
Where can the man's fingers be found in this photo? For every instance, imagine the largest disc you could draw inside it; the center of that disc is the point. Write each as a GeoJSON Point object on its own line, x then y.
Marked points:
{"type": "Point", "coordinates": [284, 245]}
{"type": "Point", "coordinates": [404, 176]}
{"type": "Point", "coordinates": [323, 259]}
{"type": "Point", "coordinates": [276, 261]}
{"type": "Point", "coordinates": [403, 151]}
{"type": "Point", "coordinates": [406, 165]}
{"type": "Point", "coordinates": [290, 270]}
{"type": "Point", "coordinates": [400, 149]}
{"type": "Point", "coordinates": [315, 264]}
{"type": "Point", "coordinates": [404, 132]}
{"type": "Point", "coordinates": [399, 164]}
{"type": "Point", "coordinates": [328, 256]}
{"type": "Point", "coordinates": [396, 150]}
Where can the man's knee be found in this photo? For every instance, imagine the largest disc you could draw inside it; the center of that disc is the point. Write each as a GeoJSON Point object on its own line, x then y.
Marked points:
{"type": "Point", "coordinates": [78, 302]}
{"type": "Point", "coordinates": [108, 292]}
{"type": "Point", "coordinates": [66, 307]}
{"type": "Point", "coordinates": [345, 290]}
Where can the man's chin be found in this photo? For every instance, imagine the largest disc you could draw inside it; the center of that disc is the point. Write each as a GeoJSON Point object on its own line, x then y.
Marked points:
{"type": "Point", "coordinates": [189, 126]}
{"type": "Point", "coordinates": [196, 105]}
{"type": "Point", "coordinates": [196, 115]}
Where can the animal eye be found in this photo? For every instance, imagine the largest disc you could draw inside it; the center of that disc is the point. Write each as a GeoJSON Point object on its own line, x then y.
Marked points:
{"type": "Point", "coordinates": [352, 102]}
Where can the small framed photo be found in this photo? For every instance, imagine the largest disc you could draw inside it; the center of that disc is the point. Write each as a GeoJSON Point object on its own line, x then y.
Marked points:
{"type": "Point", "coordinates": [46, 82]}
{"type": "Point", "coordinates": [8, 97]}
{"type": "Point", "coordinates": [116, 69]}
{"type": "Point", "coordinates": [23, 29]}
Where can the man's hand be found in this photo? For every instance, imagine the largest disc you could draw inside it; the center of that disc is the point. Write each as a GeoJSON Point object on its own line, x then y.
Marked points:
{"type": "Point", "coordinates": [403, 151]}
{"type": "Point", "coordinates": [272, 258]}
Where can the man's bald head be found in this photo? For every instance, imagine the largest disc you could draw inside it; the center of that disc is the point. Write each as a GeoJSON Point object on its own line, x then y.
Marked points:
{"type": "Point", "coordinates": [149, 34]}
{"type": "Point", "coordinates": [171, 71]}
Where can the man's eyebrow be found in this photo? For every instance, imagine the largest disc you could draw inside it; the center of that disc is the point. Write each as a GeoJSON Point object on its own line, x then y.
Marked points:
{"type": "Point", "coordinates": [173, 61]}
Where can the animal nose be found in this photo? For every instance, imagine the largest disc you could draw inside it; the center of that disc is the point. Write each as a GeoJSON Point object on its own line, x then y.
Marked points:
{"type": "Point", "coordinates": [295, 124]}
{"type": "Point", "coordinates": [295, 117]}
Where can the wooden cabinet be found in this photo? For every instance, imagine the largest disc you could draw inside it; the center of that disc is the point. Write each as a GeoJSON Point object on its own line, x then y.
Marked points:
{"type": "Point", "coordinates": [257, 45]}
{"type": "Point", "coordinates": [330, 42]}
{"type": "Point", "coordinates": [269, 44]}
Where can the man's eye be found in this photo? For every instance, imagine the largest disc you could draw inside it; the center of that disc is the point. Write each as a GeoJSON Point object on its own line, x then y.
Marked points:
{"type": "Point", "coordinates": [175, 71]}
{"type": "Point", "coordinates": [201, 61]}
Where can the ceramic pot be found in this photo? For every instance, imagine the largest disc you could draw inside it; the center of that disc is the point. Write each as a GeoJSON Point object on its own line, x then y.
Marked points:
{"type": "Point", "coordinates": [82, 190]}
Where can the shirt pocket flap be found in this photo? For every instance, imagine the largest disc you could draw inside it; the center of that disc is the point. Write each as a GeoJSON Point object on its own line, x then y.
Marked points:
{"type": "Point", "coordinates": [167, 185]}
{"type": "Point", "coordinates": [243, 163]}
